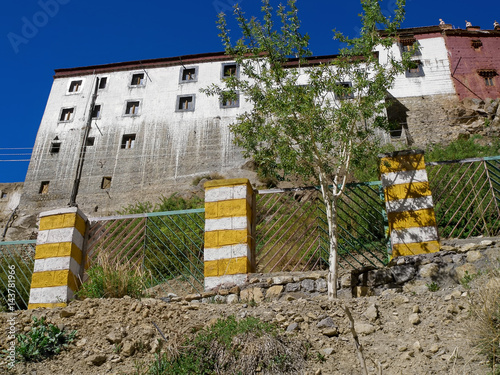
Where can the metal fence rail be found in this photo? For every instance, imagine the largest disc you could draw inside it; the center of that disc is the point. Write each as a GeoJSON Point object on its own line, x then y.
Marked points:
{"type": "Point", "coordinates": [466, 196]}
{"type": "Point", "coordinates": [292, 230]}
{"type": "Point", "coordinates": [167, 246]}
{"type": "Point", "coordinates": [20, 257]}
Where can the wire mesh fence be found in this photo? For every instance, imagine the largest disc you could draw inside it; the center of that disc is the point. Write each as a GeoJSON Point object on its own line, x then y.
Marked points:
{"type": "Point", "coordinates": [466, 196]}
{"type": "Point", "coordinates": [17, 260]}
{"type": "Point", "coordinates": [166, 246]}
{"type": "Point", "coordinates": [292, 229]}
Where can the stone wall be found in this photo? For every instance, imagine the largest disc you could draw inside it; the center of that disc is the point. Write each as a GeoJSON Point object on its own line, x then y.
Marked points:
{"type": "Point", "coordinates": [446, 268]}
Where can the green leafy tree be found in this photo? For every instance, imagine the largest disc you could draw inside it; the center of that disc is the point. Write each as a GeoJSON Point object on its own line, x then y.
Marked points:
{"type": "Point", "coordinates": [310, 117]}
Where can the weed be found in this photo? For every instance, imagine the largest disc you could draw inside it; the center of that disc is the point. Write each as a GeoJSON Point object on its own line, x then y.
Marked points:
{"type": "Point", "coordinates": [41, 341]}
{"type": "Point", "coordinates": [433, 287]}
{"type": "Point", "coordinates": [252, 303]}
{"type": "Point", "coordinates": [468, 278]}
{"type": "Point", "coordinates": [320, 357]}
{"type": "Point", "coordinates": [117, 348]}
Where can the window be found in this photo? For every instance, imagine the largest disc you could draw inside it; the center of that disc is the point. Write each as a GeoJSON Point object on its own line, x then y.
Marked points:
{"type": "Point", "coordinates": [185, 103]}
{"type": "Point", "coordinates": [132, 108]}
{"type": "Point", "coordinates": [75, 86]}
{"type": "Point", "coordinates": [103, 82]}
{"type": "Point", "coordinates": [106, 183]}
{"type": "Point", "coordinates": [66, 114]}
{"type": "Point", "coordinates": [408, 43]}
{"type": "Point", "coordinates": [90, 141]}
{"type": "Point", "coordinates": [228, 101]}
{"type": "Point", "coordinates": [229, 70]}
{"type": "Point", "coordinates": [96, 113]}
{"type": "Point", "coordinates": [138, 80]}
{"type": "Point", "coordinates": [189, 74]}
{"type": "Point", "coordinates": [4, 195]}
{"type": "Point", "coordinates": [415, 69]}
{"type": "Point", "coordinates": [128, 141]}
{"type": "Point", "coordinates": [488, 76]}
{"type": "Point", "coordinates": [55, 146]}
{"type": "Point", "coordinates": [476, 43]}
{"type": "Point", "coordinates": [344, 91]}
{"type": "Point", "coordinates": [44, 187]}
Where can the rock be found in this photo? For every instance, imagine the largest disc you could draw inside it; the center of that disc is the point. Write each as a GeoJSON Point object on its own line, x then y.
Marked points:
{"type": "Point", "coordinates": [453, 295]}
{"type": "Point", "coordinates": [191, 297]}
{"type": "Point", "coordinates": [128, 348]}
{"type": "Point", "coordinates": [414, 319]}
{"type": "Point", "coordinates": [292, 327]}
{"type": "Point", "coordinates": [371, 313]}
{"type": "Point", "coordinates": [434, 348]}
{"type": "Point", "coordinates": [345, 281]}
{"type": "Point", "coordinates": [403, 273]}
{"type": "Point", "coordinates": [292, 287]}
{"type": "Point", "coordinates": [416, 309]}
{"type": "Point", "coordinates": [417, 347]}
{"type": "Point", "coordinates": [330, 332]}
{"type": "Point", "coordinates": [467, 247]}
{"type": "Point", "coordinates": [402, 348]}
{"type": "Point", "coordinates": [280, 318]}
{"type": "Point", "coordinates": [235, 290]}
{"type": "Point", "coordinates": [232, 298]}
{"type": "Point", "coordinates": [364, 328]}
{"type": "Point", "coordinates": [252, 294]}
{"type": "Point", "coordinates": [308, 285]}
{"type": "Point", "coordinates": [66, 313]}
{"type": "Point", "coordinates": [429, 270]}
{"type": "Point", "coordinates": [473, 256]}
{"type": "Point", "coordinates": [486, 243]}
{"type": "Point", "coordinates": [114, 337]}
{"type": "Point", "coordinates": [362, 291]}
{"type": "Point", "coordinates": [280, 280]}
{"type": "Point", "coordinates": [96, 359]}
{"type": "Point", "coordinates": [327, 351]}
{"type": "Point", "coordinates": [448, 248]}
{"type": "Point", "coordinates": [274, 292]}
{"type": "Point", "coordinates": [461, 271]}
{"type": "Point", "coordinates": [321, 285]}
{"type": "Point", "coordinates": [326, 323]}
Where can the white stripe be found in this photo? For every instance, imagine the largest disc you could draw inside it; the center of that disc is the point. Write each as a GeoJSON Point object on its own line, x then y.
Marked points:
{"type": "Point", "coordinates": [410, 204]}
{"type": "Point", "coordinates": [226, 223]}
{"type": "Point", "coordinates": [60, 235]}
{"type": "Point", "coordinates": [228, 192]}
{"type": "Point", "coordinates": [214, 281]}
{"type": "Point", "coordinates": [403, 177]}
{"type": "Point", "coordinates": [57, 264]}
{"type": "Point", "coordinates": [55, 294]}
{"type": "Point", "coordinates": [414, 235]}
{"type": "Point", "coordinates": [227, 252]}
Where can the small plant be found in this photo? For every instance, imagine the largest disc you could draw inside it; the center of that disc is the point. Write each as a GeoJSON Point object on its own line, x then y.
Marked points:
{"type": "Point", "coordinates": [117, 348]}
{"type": "Point", "coordinates": [433, 287]}
{"type": "Point", "coordinates": [41, 341]}
{"type": "Point", "coordinates": [108, 279]}
{"type": "Point", "coordinates": [252, 303]}
{"type": "Point", "coordinates": [320, 357]}
{"type": "Point", "coordinates": [468, 278]}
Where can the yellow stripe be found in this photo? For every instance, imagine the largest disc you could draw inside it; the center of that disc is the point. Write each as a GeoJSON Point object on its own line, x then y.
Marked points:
{"type": "Point", "coordinates": [402, 163]}
{"type": "Point", "coordinates": [223, 267]}
{"type": "Point", "coordinates": [72, 220]}
{"type": "Point", "coordinates": [410, 219]}
{"type": "Point", "coordinates": [32, 306]}
{"type": "Point", "coordinates": [229, 208]}
{"type": "Point", "coordinates": [214, 184]}
{"type": "Point", "coordinates": [219, 238]}
{"type": "Point", "coordinates": [49, 279]}
{"type": "Point", "coordinates": [415, 248]}
{"type": "Point", "coordinates": [61, 249]}
{"type": "Point", "coordinates": [406, 191]}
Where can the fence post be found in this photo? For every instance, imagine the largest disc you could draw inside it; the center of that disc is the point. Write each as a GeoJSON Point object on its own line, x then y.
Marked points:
{"type": "Point", "coordinates": [58, 257]}
{"type": "Point", "coordinates": [229, 253]}
{"type": "Point", "coordinates": [408, 200]}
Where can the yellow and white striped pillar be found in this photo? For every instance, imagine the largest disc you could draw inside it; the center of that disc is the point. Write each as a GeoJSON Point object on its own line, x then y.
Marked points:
{"type": "Point", "coordinates": [58, 258]}
{"type": "Point", "coordinates": [408, 201]}
{"type": "Point", "coordinates": [229, 253]}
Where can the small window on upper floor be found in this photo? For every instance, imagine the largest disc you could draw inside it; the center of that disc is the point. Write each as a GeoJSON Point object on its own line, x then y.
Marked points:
{"type": "Point", "coordinates": [345, 91]}
{"type": "Point", "coordinates": [415, 69]}
{"type": "Point", "coordinates": [189, 74]}
{"type": "Point", "coordinates": [44, 187]}
{"type": "Point", "coordinates": [96, 113]}
{"type": "Point", "coordinates": [229, 70]}
{"type": "Point", "coordinates": [75, 86]}
{"type": "Point", "coordinates": [128, 141]}
{"type": "Point", "coordinates": [488, 76]}
{"type": "Point", "coordinates": [103, 82]}
{"type": "Point", "coordinates": [408, 43]}
{"type": "Point", "coordinates": [229, 101]}
{"type": "Point", "coordinates": [4, 195]}
{"type": "Point", "coordinates": [185, 103]}
{"type": "Point", "coordinates": [132, 108]}
{"type": "Point", "coordinates": [55, 146]}
{"type": "Point", "coordinates": [66, 114]}
{"type": "Point", "coordinates": [106, 183]}
{"type": "Point", "coordinates": [476, 43]}
{"type": "Point", "coordinates": [90, 141]}
{"type": "Point", "coordinates": [138, 80]}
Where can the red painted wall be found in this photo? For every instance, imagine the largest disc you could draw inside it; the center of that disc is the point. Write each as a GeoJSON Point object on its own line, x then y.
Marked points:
{"type": "Point", "coordinates": [465, 61]}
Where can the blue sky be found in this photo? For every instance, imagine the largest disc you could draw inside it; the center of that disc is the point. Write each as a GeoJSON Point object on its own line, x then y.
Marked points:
{"type": "Point", "coordinates": [38, 36]}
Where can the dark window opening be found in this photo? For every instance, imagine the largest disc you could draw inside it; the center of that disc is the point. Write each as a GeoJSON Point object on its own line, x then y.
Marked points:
{"type": "Point", "coordinates": [229, 70]}
{"type": "Point", "coordinates": [66, 114]}
{"type": "Point", "coordinates": [488, 76]}
{"type": "Point", "coordinates": [44, 187]}
{"type": "Point", "coordinates": [228, 101]}
{"type": "Point", "coordinates": [106, 183]}
{"type": "Point", "coordinates": [132, 108]}
{"type": "Point", "coordinates": [75, 86]}
{"type": "Point", "coordinates": [488, 81]}
{"type": "Point", "coordinates": [96, 113]}
{"type": "Point", "coordinates": [185, 103]}
{"type": "Point", "coordinates": [476, 43]}
{"type": "Point", "coordinates": [90, 141]}
{"type": "Point", "coordinates": [189, 74]}
{"type": "Point", "coordinates": [102, 83]}
{"type": "Point", "coordinates": [138, 79]}
{"type": "Point", "coordinates": [415, 69]}
{"type": "Point", "coordinates": [4, 195]}
{"type": "Point", "coordinates": [345, 91]}
{"type": "Point", "coordinates": [128, 141]}
{"type": "Point", "coordinates": [55, 146]}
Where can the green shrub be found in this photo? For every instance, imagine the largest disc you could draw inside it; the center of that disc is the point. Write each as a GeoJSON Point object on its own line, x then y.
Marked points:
{"type": "Point", "coordinates": [433, 287]}
{"type": "Point", "coordinates": [41, 341]}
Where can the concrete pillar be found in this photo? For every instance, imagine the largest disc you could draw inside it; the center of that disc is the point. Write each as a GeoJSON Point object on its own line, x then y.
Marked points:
{"type": "Point", "coordinates": [408, 201]}
{"type": "Point", "coordinates": [58, 258]}
{"type": "Point", "coordinates": [229, 251]}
